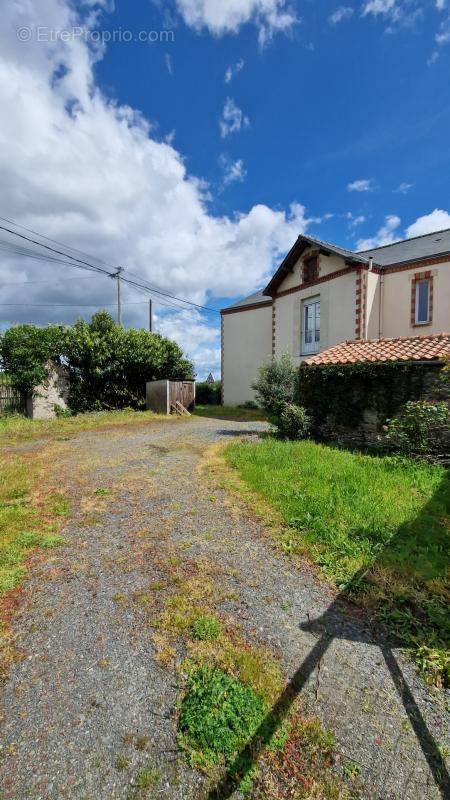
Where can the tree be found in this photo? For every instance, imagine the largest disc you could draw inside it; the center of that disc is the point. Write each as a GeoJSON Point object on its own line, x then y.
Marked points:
{"type": "Point", "coordinates": [108, 365]}
{"type": "Point", "coordinates": [25, 350]}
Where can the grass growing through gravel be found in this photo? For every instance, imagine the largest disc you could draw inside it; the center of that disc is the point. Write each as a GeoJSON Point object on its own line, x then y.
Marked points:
{"type": "Point", "coordinates": [240, 414]}
{"type": "Point", "coordinates": [231, 689]}
{"type": "Point", "coordinates": [354, 512]}
{"type": "Point", "coordinates": [30, 513]}
{"type": "Point", "coordinates": [217, 717]}
{"type": "Point", "coordinates": [25, 520]}
{"type": "Point", "coordinates": [17, 428]}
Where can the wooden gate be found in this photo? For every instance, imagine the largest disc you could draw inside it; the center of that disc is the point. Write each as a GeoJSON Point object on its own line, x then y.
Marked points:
{"type": "Point", "coordinates": [10, 398]}
{"type": "Point", "coordinates": [182, 392]}
{"type": "Point", "coordinates": [166, 397]}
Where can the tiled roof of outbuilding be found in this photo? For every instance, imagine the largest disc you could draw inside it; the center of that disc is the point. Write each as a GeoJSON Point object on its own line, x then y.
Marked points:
{"type": "Point", "coordinates": [404, 348]}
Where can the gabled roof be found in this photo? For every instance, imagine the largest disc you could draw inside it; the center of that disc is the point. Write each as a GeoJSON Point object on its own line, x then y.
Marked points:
{"type": "Point", "coordinates": [412, 250]}
{"type": "Point", "coordinates": [302, 243]}
{"type": "Point", "coordinates": [404, 348]}
{"type": "Point", "coordinates": [257, 298]}
{"type": "Point", "coordinates": [426, 246]}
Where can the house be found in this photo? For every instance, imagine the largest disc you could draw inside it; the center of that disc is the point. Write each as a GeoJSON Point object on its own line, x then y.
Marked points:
{"type": "Point", "coordinates": [322, 295]}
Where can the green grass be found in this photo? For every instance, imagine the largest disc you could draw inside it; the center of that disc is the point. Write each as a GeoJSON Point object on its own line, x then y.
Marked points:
{"type": "Point", "coordinates": [17, 428]}
{"type": "Point", "coordinates": [218, 716]}
{"type": "Point", "coordinates": [354, 512]}
{"type": "Point", "coordinates": [238, 414]}
{"type": "Point", "coordinates": [26, 521]}
{"type": "Point", "coordinates": [206, 628]}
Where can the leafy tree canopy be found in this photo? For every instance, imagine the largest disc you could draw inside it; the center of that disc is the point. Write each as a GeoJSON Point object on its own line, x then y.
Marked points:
{"type": "Point", "coordinates": [108, 364]}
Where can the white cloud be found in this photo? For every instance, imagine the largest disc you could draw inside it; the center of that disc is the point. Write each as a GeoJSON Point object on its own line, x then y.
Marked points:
{"type": "Point", "coordinates": [396, 13]}
{"type": "Point", "coordinates": [354, 221]}
{"type": "Point", "coordinates": [341, 13]}
{"type": "Point", "coordinates": [233, 119]}
{"type": "Point", "coordinates": [233, 171]}
{"type": "Point", "coordinates": [403, 188]}
{"type": "Point", "coordinates": [90, 172]}
{"type": "Point", "coordinates": [443, 37]}
{"type": "Point", "coordinates": [363, 185]}
{"type": "Point", "coordinates": [387, 234]}
{"type": "Point", "coordinates": [379, 7]}
{"type": "Point", "coordinates": [198, 336]}
{"type": "Point", "coordinates": [220, 17]}
{"type": "Point", "coordinates": [440, 4]}
{"type": "Point", "coordinates": [438, 220]}
{"type": "Point", "coordinates": [233, 70]}
{"type": "Point", "coordinates": [169, 63]}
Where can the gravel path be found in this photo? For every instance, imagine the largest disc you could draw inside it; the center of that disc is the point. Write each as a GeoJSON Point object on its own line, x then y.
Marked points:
{"type": "Point", "coordinates": [89, 708]}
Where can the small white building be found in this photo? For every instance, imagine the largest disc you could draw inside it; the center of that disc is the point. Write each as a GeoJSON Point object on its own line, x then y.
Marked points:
{"type": "Point", "coordinates": [322, 295]}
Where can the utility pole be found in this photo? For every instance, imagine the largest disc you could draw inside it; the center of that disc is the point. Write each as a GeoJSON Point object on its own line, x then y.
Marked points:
{"type": "Point", "coordinates": [150, 316]}
{"type": "Point", "coordinates": [119, 299]}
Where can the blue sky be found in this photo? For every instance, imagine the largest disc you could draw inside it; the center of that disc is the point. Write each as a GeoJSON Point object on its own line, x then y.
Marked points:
{"type": "Point", "coordinates": [328, 104]}
{"type": "Point", "coordinates": [197, 159]}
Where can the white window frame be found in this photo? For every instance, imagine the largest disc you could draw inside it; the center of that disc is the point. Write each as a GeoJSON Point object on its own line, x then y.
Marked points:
{"type": "Point", "coordinates": [416, 316]}
{"type": "Point", "coordinates": [308, 348]}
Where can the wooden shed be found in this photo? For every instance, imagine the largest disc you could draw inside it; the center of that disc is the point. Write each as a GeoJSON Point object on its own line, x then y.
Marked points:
{"type": "Point", "coordinates": [167, 397]}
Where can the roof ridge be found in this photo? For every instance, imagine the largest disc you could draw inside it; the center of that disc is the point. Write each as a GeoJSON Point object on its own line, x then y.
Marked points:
{"type": "Point", "coordinates": [330, 244]}
{"type": "Point", "coordinates": [420, 348]}
{"type": "Point", "coordinates": [442, 335]}
{"type": "Point", "coordinates": [401, 241]}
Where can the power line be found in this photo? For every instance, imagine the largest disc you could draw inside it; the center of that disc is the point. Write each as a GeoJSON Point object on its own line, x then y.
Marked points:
{"type": "Point", "coordinates": [49, 280]}
{"type": "Point", "coordinates": [55, 241]}
{"type": "Point", "coordinates": [80, 263]}
{"type": "Point", "coordinates": [71, 305]}
{"type": "Point", "coordinates": [166, 294]}
{"type": "Point", "coordinates": [86, 265]}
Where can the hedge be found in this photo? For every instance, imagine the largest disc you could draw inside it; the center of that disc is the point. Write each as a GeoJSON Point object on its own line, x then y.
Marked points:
{"type": "Point", "coordinates": [108, 365]}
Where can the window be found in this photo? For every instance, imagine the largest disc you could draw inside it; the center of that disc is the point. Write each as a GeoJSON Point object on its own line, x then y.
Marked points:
{"type": "Point", "coordinates": [422, 304]}
{"type": "Point", "coordinates": [310, 269]}
{"type": "Point", "coordinates": [310, 326]}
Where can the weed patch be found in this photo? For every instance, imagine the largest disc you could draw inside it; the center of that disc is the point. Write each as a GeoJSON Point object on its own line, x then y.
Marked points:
{"type": "Point", "coordinates": [206, 628]}
{"type": "Point", "coordinates": [218, 715]}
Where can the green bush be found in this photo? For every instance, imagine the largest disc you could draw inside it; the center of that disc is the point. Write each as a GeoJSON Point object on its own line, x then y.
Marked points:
{"type": "Point", "coordinates": [108, 364]}
{"type": "Point", "coordinates": [422, 427]}
{"type": "Point", "coordinates": [275, 386]}
{"type": "Point", "coordinates": [208, 394]}
{"type": "Point", "coordinates": [294, 422]}
{"type": "Point", "coordinates": [249, 404]}
{"type": "Point", "coordinates": [218, 716]}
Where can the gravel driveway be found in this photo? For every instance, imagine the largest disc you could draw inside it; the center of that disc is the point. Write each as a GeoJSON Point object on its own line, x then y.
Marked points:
{"type": "Point", "coordinates": [89, 707]}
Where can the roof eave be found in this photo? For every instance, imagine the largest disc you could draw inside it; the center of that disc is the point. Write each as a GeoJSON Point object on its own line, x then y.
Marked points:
{"type": "Point", "coordinates": [300, 245]}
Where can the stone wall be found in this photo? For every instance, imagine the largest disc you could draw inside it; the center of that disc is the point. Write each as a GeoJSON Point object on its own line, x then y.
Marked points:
{"type": "Point", "coordinates": [53, 391]}
{"type": "Point", "coordinates": [350, 407]}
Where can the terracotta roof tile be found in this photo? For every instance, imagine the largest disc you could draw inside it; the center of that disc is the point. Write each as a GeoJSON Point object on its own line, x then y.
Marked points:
{"type": "Point", "coordinates": [405, 348]}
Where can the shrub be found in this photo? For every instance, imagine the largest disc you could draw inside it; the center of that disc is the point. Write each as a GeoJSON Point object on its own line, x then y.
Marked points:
{"type": "Point", "coordinates": [294, 422]}
{"type": "Point", "coordinates": [422, 427]}
{"type": "Point", "coordinates": [108, 364]}
{"type": "Point", "coordinates": [275, 386]}
{"type": "Point", "coordinates": [218, 715]}
{"type": "Point", "coordinates": [208, 394]}
{"type": "Point", "coordinates": [206, 629]}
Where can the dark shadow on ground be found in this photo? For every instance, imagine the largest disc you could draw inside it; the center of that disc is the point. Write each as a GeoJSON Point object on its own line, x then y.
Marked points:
{"type": "Point", "coordinates": [411, 542]}
{"type": "Point", "coordinates": [236, 432]}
